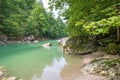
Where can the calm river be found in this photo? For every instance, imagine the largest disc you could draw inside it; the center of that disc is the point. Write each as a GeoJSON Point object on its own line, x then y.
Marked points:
{"type": "Point", "coordinates": [30, 61]}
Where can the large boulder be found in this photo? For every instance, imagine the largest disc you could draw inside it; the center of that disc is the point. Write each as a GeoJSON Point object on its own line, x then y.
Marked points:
{"type": "Point", "coordinates": [70, 46]}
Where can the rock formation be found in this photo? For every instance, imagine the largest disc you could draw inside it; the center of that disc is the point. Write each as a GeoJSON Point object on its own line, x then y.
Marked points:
{"type": "Point", "coordinates": [69, 46]}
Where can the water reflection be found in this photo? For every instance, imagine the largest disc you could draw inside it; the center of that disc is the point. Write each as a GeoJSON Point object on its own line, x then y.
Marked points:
{"type": "Point", "coordinates": [52, 72]}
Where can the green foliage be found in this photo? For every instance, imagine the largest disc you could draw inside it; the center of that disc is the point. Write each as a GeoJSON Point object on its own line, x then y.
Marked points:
{"type": "Point", "coordinates": [102, 26]}
{"type": "Point", "coordinates": [113, 48]}
{"type": "Point", "coordinates": [99, 19]}
{"type": "Point", "coordinates": [28, 17]}
{"type": "Point", "coordinates": [36, 21]}
{"type": "Point", "coordinates": [88, 17]}
{"type": "Point", "coordinates": [13, 17]}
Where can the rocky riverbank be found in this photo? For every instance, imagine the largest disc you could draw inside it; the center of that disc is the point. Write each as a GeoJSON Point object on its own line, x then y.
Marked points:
{"type": "Point", "coordinates": [25, 39]}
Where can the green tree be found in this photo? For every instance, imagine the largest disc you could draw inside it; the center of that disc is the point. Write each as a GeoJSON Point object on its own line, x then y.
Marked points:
{"type": "Point", "coordinates": [85, 16]}
{"type": "Point", "coordinates": [36, 21]}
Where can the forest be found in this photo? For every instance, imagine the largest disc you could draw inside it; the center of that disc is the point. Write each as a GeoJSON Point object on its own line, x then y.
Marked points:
{"type": "Point", "coordinates": [92, 20]}
{"type": "Point", "coordinates": [19, 18]}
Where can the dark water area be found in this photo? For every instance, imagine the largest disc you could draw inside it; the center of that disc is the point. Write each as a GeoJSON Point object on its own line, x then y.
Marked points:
{"type": "Point", "coordinates": [31, 61]}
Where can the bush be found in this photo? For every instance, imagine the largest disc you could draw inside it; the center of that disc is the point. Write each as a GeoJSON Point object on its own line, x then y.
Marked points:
{"type": "Point", "coordinates": [113, 48]}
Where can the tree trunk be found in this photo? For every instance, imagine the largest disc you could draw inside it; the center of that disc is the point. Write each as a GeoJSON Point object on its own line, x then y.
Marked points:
{"type": "Point", "coordinates": [118, 34]}
{"type": "Point", "coordinates": [118, 29]}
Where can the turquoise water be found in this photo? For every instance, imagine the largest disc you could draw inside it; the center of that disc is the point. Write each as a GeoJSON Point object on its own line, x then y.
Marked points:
{"type": "Point", "coordinates": [30, 61]}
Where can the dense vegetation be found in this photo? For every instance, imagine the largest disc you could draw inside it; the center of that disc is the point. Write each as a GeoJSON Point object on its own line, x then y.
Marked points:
{"type": "Point", "coordinates": [19, 18]}
{"type": "Point", "coordinates": [96, 20]}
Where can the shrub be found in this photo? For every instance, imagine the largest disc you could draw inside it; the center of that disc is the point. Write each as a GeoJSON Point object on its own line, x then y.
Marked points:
{"type": "Point", "coordinates": [113, 48]}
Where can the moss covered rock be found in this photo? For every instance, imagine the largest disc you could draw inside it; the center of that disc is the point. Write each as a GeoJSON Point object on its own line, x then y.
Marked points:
{"type": "Point", "coordinates": [79, 46]}
{"type": "Point", "coordinates": [109, 67]}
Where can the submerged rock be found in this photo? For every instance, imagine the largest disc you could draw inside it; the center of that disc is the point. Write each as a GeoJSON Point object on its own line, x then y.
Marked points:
{"type": "Point", "coordinates": [109, 67]}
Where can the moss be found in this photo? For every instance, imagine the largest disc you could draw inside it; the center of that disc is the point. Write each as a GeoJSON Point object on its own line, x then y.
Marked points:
{"type": "Point", "coordinates": [116, 60]}
{"type": "Point", "coordinates": [95, 60]}
{"type": "Point", "coordinates": [73, 43]}
{"type": "Point", "coordinates": [107, 62]}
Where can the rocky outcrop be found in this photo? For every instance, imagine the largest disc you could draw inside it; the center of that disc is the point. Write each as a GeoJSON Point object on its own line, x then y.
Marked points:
{"type": "Point", "coordinates": [109, 67]}
{"type": "Point", "coordinates": [24, 39]}
{"type": "Point", "coordinates": [29, 38]}
{"type": "Point", "coordinates": [62, 42]}
{"type": "Point", "coordinates": [70, 46]}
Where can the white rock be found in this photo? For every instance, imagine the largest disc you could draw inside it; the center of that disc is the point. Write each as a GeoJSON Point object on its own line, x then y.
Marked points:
{"type": "Point", "coordinates": [1, 73]}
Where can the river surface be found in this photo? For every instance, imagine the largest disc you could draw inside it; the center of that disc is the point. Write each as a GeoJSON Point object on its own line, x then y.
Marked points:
{"type": "Point", "coordinates": [30, 61]}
